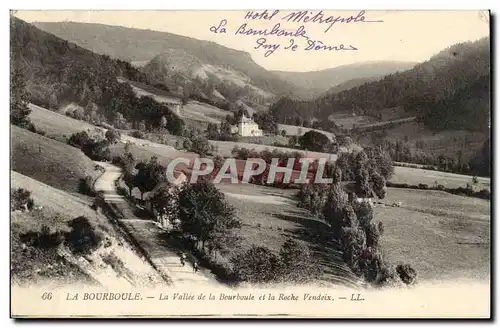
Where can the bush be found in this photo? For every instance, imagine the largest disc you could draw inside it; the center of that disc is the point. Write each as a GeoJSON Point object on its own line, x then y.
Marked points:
{"type": "Point", "coordinates": [137, 134]}
{"type": "Point", "coordinates": [20, 200]}
{"type": "Point", "coordinates": [423, 186]}
{"type": "Point", "coordinates": [371, 264]}
{"type": "Point", "coordinates": [353, 240]}
{"type": "Point", "coordinates": [79, 139]}
{"type": "Point", "coordinates": [200, 146]}
{"type": "Point", "coordinates": [257, 265]}
{"type": "Point", "coordinates": [187, 144]}
{"type": "Point", "coordinates": [42, 239]}
{"type": "Point", "coordinates": [112, 136]}
{"type": "Point", "coordinates": [82, 238]}
{"type": "Point", "coordinates": [299, 264]}
{"type": "Point", "coordinates": [406, 273]}
{"type": "Point", "coordinates": [118, 161]}
{"type": "Point", "coordinates": [85, 186]}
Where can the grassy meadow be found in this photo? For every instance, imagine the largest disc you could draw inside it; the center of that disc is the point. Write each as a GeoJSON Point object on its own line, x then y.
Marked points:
{"type": "Point", "coordinates": [442, 236]}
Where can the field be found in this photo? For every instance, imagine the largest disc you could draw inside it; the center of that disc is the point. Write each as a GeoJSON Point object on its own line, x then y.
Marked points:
{"type": "Point", "coordinates": [294, 130]}
{"type": "Point", "coordinates": [442, 235]}
{"type": "Point", "coordinates": [56, 125]}
{"type": "Point", "coordinates": [54, 163]}
{"type": "Point", "coordinates": [414, 176]}
{"type": "Point", "coordinates": [347, 121]}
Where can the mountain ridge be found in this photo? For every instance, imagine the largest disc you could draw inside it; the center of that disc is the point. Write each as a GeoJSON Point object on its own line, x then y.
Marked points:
{"type": "Point", "coordinates": [115, 41]}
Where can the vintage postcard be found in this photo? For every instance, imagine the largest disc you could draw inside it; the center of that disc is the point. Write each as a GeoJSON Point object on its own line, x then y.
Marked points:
{"type": "Point", "coordinates": [250, 164]}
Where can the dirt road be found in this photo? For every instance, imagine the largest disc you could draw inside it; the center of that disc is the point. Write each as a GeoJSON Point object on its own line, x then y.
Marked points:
{"type": "Point", "coordinates": [148, 235]}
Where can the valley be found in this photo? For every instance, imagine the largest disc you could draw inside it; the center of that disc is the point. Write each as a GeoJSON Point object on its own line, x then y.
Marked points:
{"type": "Point", "coordinates": [96, 119]}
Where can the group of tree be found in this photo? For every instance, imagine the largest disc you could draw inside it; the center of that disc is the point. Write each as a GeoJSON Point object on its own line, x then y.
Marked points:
{"type": "Point", "coordinates": [143, 175]}
{"type": "Point", "coordinates": [206, 219]}
{"type": "Point", "coordinates": [295, 263]}
{"type": "Point", "coordinates": [21, 200]}
{"type": "Point", "coordinates": [317, 141]}
{"type": "Point", "coordinates": [366, 171]}
{"type": "Point", "coordinates": [94, 147]}
{"type": "Point", "coordinates": [220, 132]}
{"type": "Point", "coordinates": [407, 152]}
{"type": "Point", "coordinates": [352, 225]}
{"type": "Point", "coordinates": [81, 239]}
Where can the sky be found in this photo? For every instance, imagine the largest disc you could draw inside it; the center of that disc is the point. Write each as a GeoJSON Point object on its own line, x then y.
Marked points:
{"type": "Point", "coordinates": [392, 35]}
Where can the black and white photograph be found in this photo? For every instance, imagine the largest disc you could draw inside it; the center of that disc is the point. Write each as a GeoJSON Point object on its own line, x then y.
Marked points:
{"type": "Point", "coordinates": [250, 163]}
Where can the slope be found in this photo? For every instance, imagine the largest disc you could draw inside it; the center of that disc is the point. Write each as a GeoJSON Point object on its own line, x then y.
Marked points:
{"type": "Point", "coordinates": [114, 264]}
{"type": "Point", "coordinates": [115, 42]}
{"type": "Point", "coordinates": [54, 163]}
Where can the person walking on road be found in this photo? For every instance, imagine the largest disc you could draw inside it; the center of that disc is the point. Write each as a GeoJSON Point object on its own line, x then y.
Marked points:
{"type": "Point", "coordinates": [195, 266]}
{"type": "Point", "coordinates": [183, 259]}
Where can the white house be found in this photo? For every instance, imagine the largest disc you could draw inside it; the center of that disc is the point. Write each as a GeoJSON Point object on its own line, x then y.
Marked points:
{"type": "Point", "coordinates": [248, 128]}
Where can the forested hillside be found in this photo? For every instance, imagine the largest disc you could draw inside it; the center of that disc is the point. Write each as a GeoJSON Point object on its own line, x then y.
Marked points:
{"type": "Point", "coordinates": [449, 91]}
{"type": "Point", "coordinates": [58, 72]}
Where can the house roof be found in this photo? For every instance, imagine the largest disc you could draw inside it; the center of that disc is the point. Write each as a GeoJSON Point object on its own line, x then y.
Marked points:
{"type": "Point", "coordinates": [245, 119]}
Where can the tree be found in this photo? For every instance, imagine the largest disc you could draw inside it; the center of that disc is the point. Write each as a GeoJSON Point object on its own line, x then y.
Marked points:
{"type": "Point", "coordinates": [79, 139]}
{"type": "Point", "coordinates": [82, 238]}
{"type": "Point", "coordinates": [19, 99]}
{"type": "Point", "coordinates": [334, 208]}
{"type": "Point", "coordinates": [129, 180]}
{"type": "Point", "coordinates": [187, 144]}
{"type": "Point", "coordinates": [345, 141]}
{"type": "Point", "coordinates": [112, 136]}
{"type": "Point", "coordinates": [379, 185]}
{"type": "Point", "coordinates": [149, 175]}
{"type": "Point", "coordinates": [212, 131]}
{"type": "Point", "coordinates": [299, 264]}
{"type": "Point", "coordinates": [142, 126]}
{"type": "Point", "coordinates": [407, 274]}
{"type": "Point", "coordinates": [204, 214]}
{"type": "Point", "coordinates": [20, 200]}
{"type": "Point", "coordinates": [363, 186]}
{"type": "Point", "coordinates": [314, 141]}
{"type": "Point", "coordinates": [186, 94]}
{"type": "Point", "coordinates": [164, 200]}
{"type": "Point", "coordinates": [200, 146]}
{"type": "Point", "coordinates": [97, 151]}
{"type": "Point", "coordinates": [120, 122]}
{"type": "Point", "coordinates": [257, 265]}
{"type": "Point", "coordinates": [163, 121]}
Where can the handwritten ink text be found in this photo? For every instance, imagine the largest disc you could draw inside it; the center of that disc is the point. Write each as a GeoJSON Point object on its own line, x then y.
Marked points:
{"type": "Point", "coordinates": [263, 15]}
{"type": "Point", "coordinates": [318, 45]}
{"type": "Point", "coordinates": [305, 16]}
{"type": "Point", "coordinates": [270, 48]}
{"type": "Point", "coordinates": [276, 31]}
{"type": "Point", "coordinates": [220, 28]}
